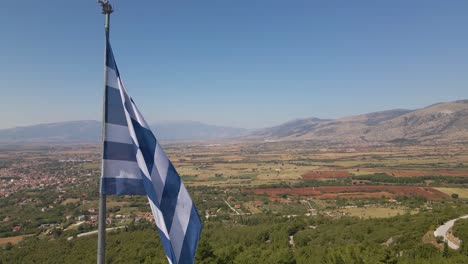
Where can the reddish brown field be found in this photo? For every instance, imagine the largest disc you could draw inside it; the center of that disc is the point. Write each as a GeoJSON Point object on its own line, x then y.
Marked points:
{"type": "Point", "coordinates": [325, 174]}
{"type": "Point", "coordinates": [333, 192]}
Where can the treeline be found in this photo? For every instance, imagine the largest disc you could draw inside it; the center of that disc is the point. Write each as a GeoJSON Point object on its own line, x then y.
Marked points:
{"type": "Point", "coordinates": [460, 230]}
{"type": "Point", "coordinates": [384, 178]}
{"type": "Point", "coordinates": [306, 183]}
{"type": "Point", "coordinates": [266, 238]}
{"type": "Point", "coordinates": [375, 178]}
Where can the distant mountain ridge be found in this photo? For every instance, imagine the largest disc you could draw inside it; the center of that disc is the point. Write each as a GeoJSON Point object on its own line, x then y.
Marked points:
{"type": "Point", "coordinates": [69, 131]}
{"type": "Point", "coordinates": [89, 131]}
{"type": "Point", "coordinates": [437, 123]}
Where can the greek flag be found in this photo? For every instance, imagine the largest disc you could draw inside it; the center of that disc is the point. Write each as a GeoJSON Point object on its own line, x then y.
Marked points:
{"type": "Point", "coordinates": [134, 163]}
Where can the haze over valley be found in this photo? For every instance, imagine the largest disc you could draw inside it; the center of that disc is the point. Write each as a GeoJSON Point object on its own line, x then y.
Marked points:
{"type": "Point", "coordinates": [434, 124]}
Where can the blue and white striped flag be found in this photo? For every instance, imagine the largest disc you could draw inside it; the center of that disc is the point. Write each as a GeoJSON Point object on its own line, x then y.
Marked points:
{"type": "Point", "coordinates": [135, 163]}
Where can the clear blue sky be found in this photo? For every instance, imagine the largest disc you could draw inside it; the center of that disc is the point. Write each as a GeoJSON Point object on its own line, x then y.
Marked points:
{"type": "Point", "coordinates": [245, 63]}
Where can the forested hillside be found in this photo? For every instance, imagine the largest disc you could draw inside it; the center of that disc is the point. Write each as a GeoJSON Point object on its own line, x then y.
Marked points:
{"type": "Point", "coordinates": [266, 239]}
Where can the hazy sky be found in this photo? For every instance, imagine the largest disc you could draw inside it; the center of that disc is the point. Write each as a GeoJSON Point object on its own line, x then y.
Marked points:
{"type": "Point", "coordinates": [246, 63]}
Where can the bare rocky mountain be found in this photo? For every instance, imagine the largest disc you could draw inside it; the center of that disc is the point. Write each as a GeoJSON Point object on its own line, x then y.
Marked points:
{"type": "Point", "coordinates": [438, 123]}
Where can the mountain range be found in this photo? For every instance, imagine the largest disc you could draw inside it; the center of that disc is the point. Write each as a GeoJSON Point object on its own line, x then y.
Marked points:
{"type": "Point", "coordinates": [436, 124]}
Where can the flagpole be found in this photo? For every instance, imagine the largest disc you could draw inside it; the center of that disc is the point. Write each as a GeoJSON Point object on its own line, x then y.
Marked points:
{"type": "Point", "coordinates": [101, 250]}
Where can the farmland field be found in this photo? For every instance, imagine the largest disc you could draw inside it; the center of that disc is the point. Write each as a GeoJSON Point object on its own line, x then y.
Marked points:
{"type": "Point", "coordinates": [326, 174]}
{"type": "Point", "coordinates": [314, 194]}
{"type": "Point", "coordinates": [374, 211]}
{"type": "Point", "coordinates": [12, 240]}
{"type": "Point", "coordinates": [462, 192]}
{"type": "Point", "coordinates": [257, 164]}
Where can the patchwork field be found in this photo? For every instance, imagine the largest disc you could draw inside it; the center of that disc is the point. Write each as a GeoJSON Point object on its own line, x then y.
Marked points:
{"type": "Point", "coordinates": [252, 164]}
{"type": "Point", "coordinates": [52, 192]}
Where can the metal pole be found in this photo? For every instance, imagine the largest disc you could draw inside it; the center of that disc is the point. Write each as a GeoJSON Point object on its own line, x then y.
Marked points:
{"type": "Point", "coordinates": [101, 250]}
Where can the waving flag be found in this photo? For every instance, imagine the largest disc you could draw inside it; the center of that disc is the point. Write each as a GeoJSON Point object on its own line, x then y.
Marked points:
{"type": "Point", "coordinates": [135, 163]}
